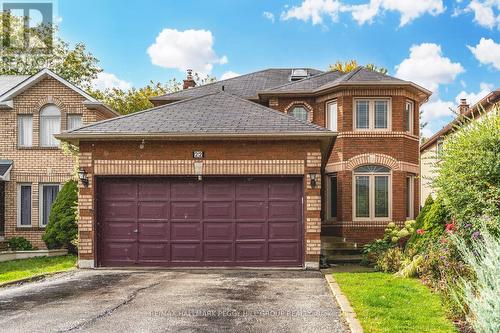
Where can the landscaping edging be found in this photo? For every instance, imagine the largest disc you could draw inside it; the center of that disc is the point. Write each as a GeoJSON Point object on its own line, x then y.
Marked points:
{"type": "Point", "coordinates": [13, 255]}
{"type": "Point", "coordinates": [345, 306]}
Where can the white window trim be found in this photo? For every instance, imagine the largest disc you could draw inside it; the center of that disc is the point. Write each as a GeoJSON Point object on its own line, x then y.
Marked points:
{"type": "Point", "coordinates": [327, 109]}
{"type": "Point", "coordinates": [411, 198]}
{"type": "Point", "coordinates": [411, 115]}
{"type": "Point", "coordinates": [329, 217]}
{"type": "Point", "coordinates": [371, 114]}
{"type": "Point", "coordinates": [19, 225]}
{"type": "Point", "coordinates": [371, 194]}
{"type": "Point", "coordinates": [40, 201]}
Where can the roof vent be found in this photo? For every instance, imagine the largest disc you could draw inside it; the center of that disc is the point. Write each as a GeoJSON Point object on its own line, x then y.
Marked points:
{"type": "Point", "coordinates": [298, 74]}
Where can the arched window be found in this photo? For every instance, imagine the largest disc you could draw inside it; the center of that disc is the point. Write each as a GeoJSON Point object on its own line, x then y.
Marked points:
{"type": "Point", "coordinates": [50, 124]}
{"type": "Point", "coordinates": [299, 112]}
{"type": "Point", "coordinates": [372, 192]}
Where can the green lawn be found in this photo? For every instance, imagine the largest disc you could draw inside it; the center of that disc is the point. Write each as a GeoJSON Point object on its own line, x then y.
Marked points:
{"type": "Point", "coordinates": [385, 303]}
{"type": "Point", "coordinates": [24, 268]}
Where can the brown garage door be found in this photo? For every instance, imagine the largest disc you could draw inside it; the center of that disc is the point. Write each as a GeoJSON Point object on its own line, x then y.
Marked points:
{"type": "Point", "coordinates": [214, 222]}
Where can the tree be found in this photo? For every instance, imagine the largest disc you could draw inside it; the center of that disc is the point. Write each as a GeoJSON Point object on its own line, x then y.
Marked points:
{"type": "Point", "coordinates": [62, 227]}
{"type": "Point", "coordinates": [74, 64]}
{"type": "Point", "coordinates": [352, 64]}
{"type": "Point", "coordinates": [137, 99]}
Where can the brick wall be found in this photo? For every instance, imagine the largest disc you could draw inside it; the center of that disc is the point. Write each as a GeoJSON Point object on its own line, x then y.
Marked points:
{"type": "Point", "coordinates": [221, 158]}
{"type": "Point", "coordinates": [37, 165]}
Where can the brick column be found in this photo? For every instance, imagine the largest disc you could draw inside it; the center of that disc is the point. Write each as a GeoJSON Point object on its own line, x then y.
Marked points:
{"type": "Point", "coordinates": [312, 213]}
{"type": "Point", "coordinates": [86, 230]}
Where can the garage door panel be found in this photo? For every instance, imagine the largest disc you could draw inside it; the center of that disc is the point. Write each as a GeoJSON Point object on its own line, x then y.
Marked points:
{"type": "Point", "coordinates": [218, 221]}
{"type": "Point", "coordinates": [153, 230]}
{"type": "Point", "coordinates": [251, 252]}
{"type": "Point", "coordinates": [157, 190]}
{"type": "Point", "coordinates": [250, 230]}
{"type": "Point", "coordinates": [217, 230]}
{"type": "Point", "coordinates": [151, 210]}
{"type": "Point", "coordinates": [253, 210]}
{"type": "Point", "coordinates": [182, 190]}
{"type": "Point", "coordinates": [251, 190]}
{"type": "Point", "coordinates": [284, 230]}
{"type": "Point", "coordinates": [284, 210]}
{"type": "Point", "coordinates": [284, 191]}
{"type": "Point", "coordinates": [219, 252]}
{"type": "Point", "coordinates": [185, 210]}
{"type": "Point", "coordinates": [157, 252]}
{"type": "Point", "coordinates": [218, 210]}
{"type": "Point", "coordinates": [186, 252]}
{"type": "Point", "coordinates": [121, 189]}
{"type": "Point", "coordinates": [214, 190]}
{"type": "Point", "coordinates": [186, 231]}
{"type": "Point", "coordinates": [283, 251]}
{"type": "Point", "coordinates": [119, 210]}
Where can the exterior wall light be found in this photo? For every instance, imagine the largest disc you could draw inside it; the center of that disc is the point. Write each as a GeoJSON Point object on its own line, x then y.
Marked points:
{"type": "Point", "coordinates": [312, 176]}
{"type": "Point", "coordinates": [82, 175]}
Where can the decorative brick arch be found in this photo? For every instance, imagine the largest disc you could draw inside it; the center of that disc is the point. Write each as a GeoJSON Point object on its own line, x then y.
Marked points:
{"type": "Point", "coordinates": [310, 113]}
{"type": "Point", "coordinates": [49, 100]}
{"type": "Point", "coordinates": [379, 159]}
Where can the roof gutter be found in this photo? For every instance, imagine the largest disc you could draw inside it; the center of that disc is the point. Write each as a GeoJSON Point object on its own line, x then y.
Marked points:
{"type": "Point", "coordinates": [99, 106]}
{"type": "Point", "coordinates": [76, 137]}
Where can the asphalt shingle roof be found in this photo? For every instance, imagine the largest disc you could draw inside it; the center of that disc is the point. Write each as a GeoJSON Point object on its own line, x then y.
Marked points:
{"type": "Point", "coordinates": [245, 86]}
{"type": "Point", "coordinates": [310, 83]}
{"type": "Point", "coordinates": [216, 113]}
{"type": "Point", "coordinates": [8, 82]}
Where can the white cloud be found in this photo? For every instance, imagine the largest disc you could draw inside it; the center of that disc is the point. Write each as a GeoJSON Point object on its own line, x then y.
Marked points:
{"type": "Point", "coordinates": [229, 75]}
{"type": "Point", "coordinates": [313, 10]}
{"type": "Point", "coordinates": [487, 52]}
{"type": "Point", "coordinates": [269, 16]}
{"type": "Point", "coordinates": [108, 81]}
{"type": "Point", "coordinates": [188, 49]}
{"type": "Point", "coordinates": [484, 12]}
{"type": "Point", "coordinates": [427, 67]}
{"type": "Point", "coordinates": [408, 9]}
{"type": "Point", "coordinates": [472, 98]}
{"type": "Point", "coordinates": [435, 109]}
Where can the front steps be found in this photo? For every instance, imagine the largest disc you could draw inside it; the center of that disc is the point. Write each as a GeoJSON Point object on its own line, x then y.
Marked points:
{"type": "Point", "coordinates": [337, 251]}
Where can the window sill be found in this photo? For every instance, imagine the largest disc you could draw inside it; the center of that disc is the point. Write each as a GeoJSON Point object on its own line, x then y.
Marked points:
{"type": "Point", "coordinates": [30, 228]}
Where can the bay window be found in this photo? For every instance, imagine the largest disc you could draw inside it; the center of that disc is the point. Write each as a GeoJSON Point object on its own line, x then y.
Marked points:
{"type": "Point", "coordinates": [372, 192]}
{"type": "Point", "coordinates": [332, 116]}
{"type": "Point", "coordinates": [372, 114]}
{"type": "Point", "coordinates": [409, 116]}
{"type": "Point", "coordinates": [410, 198]}
{"type": "Point", "coordinates": [50, 124]}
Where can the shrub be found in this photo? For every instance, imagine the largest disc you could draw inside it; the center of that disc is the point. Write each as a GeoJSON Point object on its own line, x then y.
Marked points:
{"type": "Point", "coordinates": [62, 227]}
{"type": "Point", "coordinates": [390, 261]}
{"type": "Point", "coordinates": [419, 221]}
{"type": "Point", "coordinates": [469, 171]}
{"type": "Point", "coordinates": [19, 244]}
{"type": "Point", "coordinates": [481, 294]}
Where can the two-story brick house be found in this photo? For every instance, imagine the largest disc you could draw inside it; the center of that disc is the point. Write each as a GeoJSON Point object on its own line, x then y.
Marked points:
{"type": "Point", "coordinates": [32, 164]}
{"type": "Point", "coordinates": [250, 171]}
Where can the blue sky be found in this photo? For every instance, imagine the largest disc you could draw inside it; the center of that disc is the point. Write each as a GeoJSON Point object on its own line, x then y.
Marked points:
{"type": "Point", "coordinates": [425, 41]}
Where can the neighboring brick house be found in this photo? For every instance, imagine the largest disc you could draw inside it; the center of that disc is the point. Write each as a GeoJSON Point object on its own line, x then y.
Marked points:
{"type": "Point", "coordinates": [430, 149]}
{"type": "Point", "coordinates": [32, 165]}
{"type": "Point", "coordinates": [250, 171]}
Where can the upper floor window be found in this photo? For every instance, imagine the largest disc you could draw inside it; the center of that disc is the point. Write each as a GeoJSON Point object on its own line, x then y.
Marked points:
{"type": "Point", "coordinates": [372, 114]}
{"type": "Point", "coordinates": [332, 116]}
{"type": "Point", "coordinates": [74, 121]}
{"type": "Point", "coordinates": [299, 112]}
{"type": "Point", "coordinates": [372, 192]}
{"type": "Point", "coordinates": [25, 130]}
{"type": "Point", "coordinates": [409, 116]}
{"type": "Point", "coordinates": [50, 124]}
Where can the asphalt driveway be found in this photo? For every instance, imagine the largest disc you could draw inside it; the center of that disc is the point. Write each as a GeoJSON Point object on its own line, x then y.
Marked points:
{"type": "Point", "coordinates": [172, 301]}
